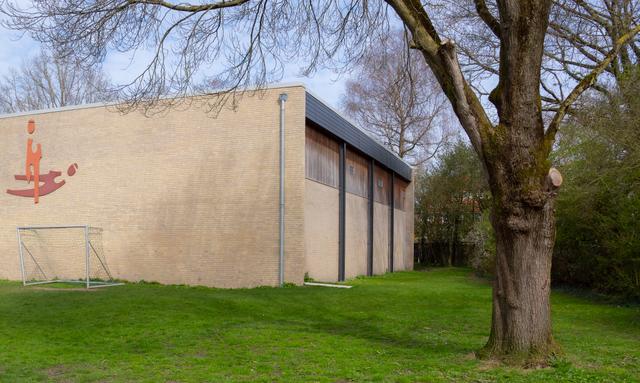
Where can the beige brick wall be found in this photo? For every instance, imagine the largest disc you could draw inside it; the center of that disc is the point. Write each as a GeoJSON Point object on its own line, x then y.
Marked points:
{"type": "Point", "coordinates": [380, 238]}
{"type": "Point", "coordinates": [321, 235]}
{"type": "Point", "coordinates": [182, 197]}
{"type": "Point", "coordinates": [403, 241]}
{"type": "Point", "coordinates": [399, 240]}
{"type": "Point", "coordinates": [356, 233]}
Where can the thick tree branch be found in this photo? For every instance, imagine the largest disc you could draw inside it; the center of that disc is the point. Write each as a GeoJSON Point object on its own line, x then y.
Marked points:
{"type": "Point", "coordinates": [487, 17]}
{"type": "Point", "coordinates": [585, 84]}
{"type": "Point", "coordinates": [442, 58]}
{"type": "Point", "coordinates": [187, 7]}
{"type": "Point", "coordinates": [467, 105]}
{"type": "Point", "coordinates": [422, 17]}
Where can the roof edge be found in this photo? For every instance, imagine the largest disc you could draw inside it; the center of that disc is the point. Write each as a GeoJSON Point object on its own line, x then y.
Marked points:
{"type": "Point", "coordinates": [352, 123]}
{"type": "Point", "coordinates": [115, 103]}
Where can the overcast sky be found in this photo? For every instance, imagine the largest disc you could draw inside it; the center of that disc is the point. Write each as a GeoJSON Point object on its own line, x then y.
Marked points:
{"type": "Point", "coordinates": [121, 68]}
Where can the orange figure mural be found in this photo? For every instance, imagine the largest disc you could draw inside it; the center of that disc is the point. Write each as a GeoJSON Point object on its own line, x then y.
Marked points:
{"type": "Point", "coordinates": [33, 162]}
{"type": "Point", "coordinates": [32, 172]}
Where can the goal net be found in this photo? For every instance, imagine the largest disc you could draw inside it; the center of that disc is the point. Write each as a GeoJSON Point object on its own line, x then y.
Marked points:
{"type": "Point", "coordinates": [68, 254]}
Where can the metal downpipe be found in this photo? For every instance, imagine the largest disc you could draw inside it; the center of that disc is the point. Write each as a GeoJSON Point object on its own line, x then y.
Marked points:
{"type": "Point", "coordinates": [283, 99]}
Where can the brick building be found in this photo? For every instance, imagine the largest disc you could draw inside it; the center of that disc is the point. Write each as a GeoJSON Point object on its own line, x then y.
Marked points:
{"type": "Point", "coordinates": [183, 197]}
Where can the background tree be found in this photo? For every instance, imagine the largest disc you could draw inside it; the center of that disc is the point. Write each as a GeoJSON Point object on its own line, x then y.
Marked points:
{"type": "Point", "coordinates": [255, 38]}
{"type": "Point", "coordinates": [450, 198]}
{"type": "Point", "coordinates": [49, 81]}
{"type": "Point", "coordinates": [598, 243]}
{"type": "Point", "coordinates": [393, 97]}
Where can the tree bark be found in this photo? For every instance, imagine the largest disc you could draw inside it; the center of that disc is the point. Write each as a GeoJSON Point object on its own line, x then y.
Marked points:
{"type": "Point", "coordinates": [523, 192]}
{"type": "Point", "coordinates": [523, 187]}
{"type": "Point", "coordinates": [521, 321]}
{"type": "Point", "coordinates": [452, 241]}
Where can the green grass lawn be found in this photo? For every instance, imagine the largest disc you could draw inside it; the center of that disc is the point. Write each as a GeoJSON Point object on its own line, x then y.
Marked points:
{"type": "Point", "coordinates": [404, 327]}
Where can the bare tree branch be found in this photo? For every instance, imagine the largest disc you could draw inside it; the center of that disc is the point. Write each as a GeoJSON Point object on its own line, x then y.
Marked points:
{"type": "Point", "coordinates": [585, 83]}
{"type": "Point", "coordinates": [187, 8]}
{"type": "Point", "coordinates": [200, 49]}
{"type": "Point", "coordinates": [487, 17]}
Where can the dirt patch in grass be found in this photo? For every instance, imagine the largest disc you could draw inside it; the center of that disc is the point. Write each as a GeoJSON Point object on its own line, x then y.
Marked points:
{"type": "Point", "coordinates": [57, 373]}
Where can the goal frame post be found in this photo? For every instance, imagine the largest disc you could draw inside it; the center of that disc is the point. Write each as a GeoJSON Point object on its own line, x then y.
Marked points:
{"type": "Point", "coordinates": [88, 247]}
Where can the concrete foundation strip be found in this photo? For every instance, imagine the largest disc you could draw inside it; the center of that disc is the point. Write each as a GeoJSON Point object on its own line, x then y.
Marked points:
{"type": "Point", "coordinates": [327, 285]}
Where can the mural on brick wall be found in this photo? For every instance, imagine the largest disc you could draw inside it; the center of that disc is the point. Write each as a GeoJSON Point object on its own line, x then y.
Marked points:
{"type": "Point", "coordinates": [42, 184]}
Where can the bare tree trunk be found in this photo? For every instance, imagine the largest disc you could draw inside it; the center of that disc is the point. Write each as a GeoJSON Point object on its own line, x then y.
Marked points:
{"type": "Point", "coordinates": [454, 241]}
{"type": "Point", "coordinates": [521, 325]}
{"type": "Point", "coordinates": [451, 244]}
{"type": "Point", "coordinates": [523, 189]}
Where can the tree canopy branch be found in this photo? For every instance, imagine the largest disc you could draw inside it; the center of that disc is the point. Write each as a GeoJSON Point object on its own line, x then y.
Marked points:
{"type": "Point", "coordinates": [487, 17]}
{"type": "Point", "coordinates": [190, 8]}
{"type": "Point", "coordinates": [585, 83]}
{"type": "Point", "coordinates": [442, 58]}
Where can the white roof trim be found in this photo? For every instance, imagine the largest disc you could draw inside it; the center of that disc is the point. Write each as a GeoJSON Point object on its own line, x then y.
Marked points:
{"type": "Point", "coordinates": [114, 103]}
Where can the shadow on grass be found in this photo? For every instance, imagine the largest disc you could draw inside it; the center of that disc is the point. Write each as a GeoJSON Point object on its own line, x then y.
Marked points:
{"type": "Point", "coordinates": [381, 318]}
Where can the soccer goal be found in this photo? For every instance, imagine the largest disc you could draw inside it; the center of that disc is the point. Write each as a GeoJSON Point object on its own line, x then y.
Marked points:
{"type": "Point", "coordinates": [63, 254]}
